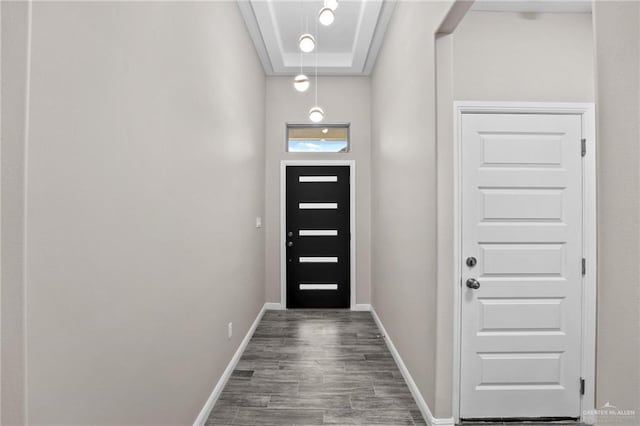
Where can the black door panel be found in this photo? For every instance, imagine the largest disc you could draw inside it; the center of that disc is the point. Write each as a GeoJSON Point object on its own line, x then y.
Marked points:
{"type": "Point", "coordinates": [316, 272]}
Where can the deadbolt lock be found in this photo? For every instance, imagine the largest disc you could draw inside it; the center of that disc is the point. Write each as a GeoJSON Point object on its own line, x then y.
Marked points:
{"type": "Point", "coordinates": [471, 261]}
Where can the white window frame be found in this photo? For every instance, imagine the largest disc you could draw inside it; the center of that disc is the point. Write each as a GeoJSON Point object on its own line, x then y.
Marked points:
{"type": "Point", "coordinates": [317, 126]}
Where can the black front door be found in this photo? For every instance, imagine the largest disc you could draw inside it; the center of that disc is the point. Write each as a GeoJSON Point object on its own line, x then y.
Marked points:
{"type": "Point", "coordinates": [317, 237]}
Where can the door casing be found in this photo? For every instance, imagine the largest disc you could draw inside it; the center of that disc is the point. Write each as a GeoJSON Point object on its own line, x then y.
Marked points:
{"type": "Point", "coordinates": [283, 222]}
{"type": "Point", "coordinates": [588, 344]}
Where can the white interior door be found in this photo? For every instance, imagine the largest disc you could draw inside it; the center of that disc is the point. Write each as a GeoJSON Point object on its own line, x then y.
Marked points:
{"type": "Point", "coordinates": [522, 221]}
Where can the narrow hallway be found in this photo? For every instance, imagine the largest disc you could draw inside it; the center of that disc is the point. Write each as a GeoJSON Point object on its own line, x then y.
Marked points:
{"type": "Point", "coordinates": [316, 367]}
{"type": "Point", "coordinates": [320, 212]}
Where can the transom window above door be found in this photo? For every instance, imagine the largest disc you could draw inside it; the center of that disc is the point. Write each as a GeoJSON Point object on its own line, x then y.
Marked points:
{"type": "Point", "coordinates": [318, 138]}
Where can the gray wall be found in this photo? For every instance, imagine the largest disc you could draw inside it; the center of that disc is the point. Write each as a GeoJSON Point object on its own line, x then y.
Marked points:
{"type": "Point", "coordinates": [506, 49]}
{"type": "Point", "coordinates": [617, 32]}
{"type": "Point", "coordinates": [445, 219]}
{"type": "Point", "coordinates": [402, 261]}
{"type": "Point", "coordinates": [145, 174]}
{"type": "Point", "coordinates": [14, 62]}
{"type": "Point", "coordinates": [503, 56]}
{"type": "Point", "coordinates": [344, 100]}
{"type": "Point", "coordinates": [488, 58]}
{"type": "Point", "coordinates": [404, 264]}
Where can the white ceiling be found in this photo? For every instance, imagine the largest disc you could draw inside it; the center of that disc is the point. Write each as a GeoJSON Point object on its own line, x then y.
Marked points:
{"type": "Point", "coordinates": [348, 47]}
{"type": "Point", "coordinates": [536, 6]}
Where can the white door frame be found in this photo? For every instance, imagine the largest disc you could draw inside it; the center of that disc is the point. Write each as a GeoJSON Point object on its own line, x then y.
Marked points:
{"type": "Point", "coordinates": [283, 222]}
{"type": "Point", "coordinates": [588, 349]}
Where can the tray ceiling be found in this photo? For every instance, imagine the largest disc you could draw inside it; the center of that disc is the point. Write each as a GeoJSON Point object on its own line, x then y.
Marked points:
{"type": "Point", "coordinates": [347, 47]}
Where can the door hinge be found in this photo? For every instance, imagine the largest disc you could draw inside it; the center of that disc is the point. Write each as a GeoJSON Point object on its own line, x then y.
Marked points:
{"type": "Point", "coordinates": [581, 386]}
{"type": "Point", "coordinates": [584, 266]}
{"type": "Point", "coordinates": [583, 147]}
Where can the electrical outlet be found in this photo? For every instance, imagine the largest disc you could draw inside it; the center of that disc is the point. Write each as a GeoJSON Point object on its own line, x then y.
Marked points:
{"type": "Point", "coordinates": [230, 330]}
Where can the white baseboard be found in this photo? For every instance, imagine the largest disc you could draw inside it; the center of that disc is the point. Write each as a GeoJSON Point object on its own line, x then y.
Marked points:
{"type": "Point", "coordinates": [274, 306]}
{"type": "Point", "coordinates": [217, 390]}
{"type": "Point", "coordinates": [361, 307]}
{"type": "Point", "coordinates": [279, 307]}
{"type": "Point", "coordinates": [588, 419]}
{"type": "Point", "coordinates": [420, 401]}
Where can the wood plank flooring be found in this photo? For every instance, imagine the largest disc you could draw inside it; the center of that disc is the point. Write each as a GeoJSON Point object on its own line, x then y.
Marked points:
{"type": "Point", "coordinates": [316, 367]}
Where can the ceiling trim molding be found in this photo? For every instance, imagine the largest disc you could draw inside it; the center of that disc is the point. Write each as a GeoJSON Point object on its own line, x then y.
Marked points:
{"type": "Point", "coordinates": [263, 12]}
{"type": "Point", "coordinates": [367, 25]}
{"type": "Point", "coordinates": [365, 40]}
{"type": "Point", "coordinates": [246, 10]}
{"type": "Point", "coordinates": [378, 36]}
{"type": "Point", "coordinates": [456, 14]}
{"type": "Point", "coordinates": [533, 6]}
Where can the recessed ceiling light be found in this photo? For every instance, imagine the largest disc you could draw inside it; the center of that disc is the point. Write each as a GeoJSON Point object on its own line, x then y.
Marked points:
{"type": "Point", "coordinates": [307, 43]}
{"type": "Point", "coordinates": [316, 114]}
{"type": "Point", "coordinates": [301, 83]}
{"type": "Point", "coordinates": [325, 131]}
{"type": "Point", "coordinates": [326, 16]}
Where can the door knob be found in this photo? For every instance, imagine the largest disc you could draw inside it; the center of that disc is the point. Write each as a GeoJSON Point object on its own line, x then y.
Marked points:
{"type": "Point", "coordinates": [473, 283]}
{"type": "Point", "coordinates": [290, 244]}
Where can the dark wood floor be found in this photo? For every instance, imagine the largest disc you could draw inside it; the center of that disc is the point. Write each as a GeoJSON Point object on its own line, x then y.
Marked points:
{"type": "Point", "coordinates": [316, 367]}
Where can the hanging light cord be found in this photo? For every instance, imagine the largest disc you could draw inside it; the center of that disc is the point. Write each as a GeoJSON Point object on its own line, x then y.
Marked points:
{"type": "Point", "coordinates": [317, 62]}
{"type": "Point", "coordinates": [301, 26]}
{"type": "Point", "coordinates": [306, 19]}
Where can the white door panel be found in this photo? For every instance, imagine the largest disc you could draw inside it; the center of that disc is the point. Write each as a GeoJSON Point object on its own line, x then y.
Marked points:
{"type": "Point", "coordinates": [522, 220]}
{"type": "Point", "coordinates": [531, 232]}
{"type": "Point", "coordinates": [518, 204]}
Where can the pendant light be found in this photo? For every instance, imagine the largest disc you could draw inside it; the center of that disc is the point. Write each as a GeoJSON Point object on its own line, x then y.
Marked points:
{"type": "Point", "coordinates": [326, 16]}
{"type": "Point", "coordinates": [307, 43]}
{"type": "Point", "coordinates": [331, 4]}
{"type": "Point", "coordinates": [301, 81]}
{"type": "Point", "coordinates": [316, 114]}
